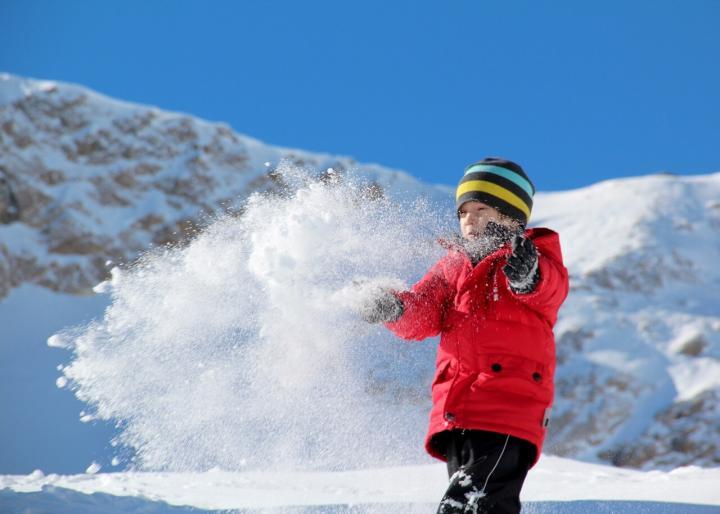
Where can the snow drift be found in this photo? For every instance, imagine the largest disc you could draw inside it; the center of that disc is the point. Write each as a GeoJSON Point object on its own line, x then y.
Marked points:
{"type": "Point", "coordinates": [244, 348]}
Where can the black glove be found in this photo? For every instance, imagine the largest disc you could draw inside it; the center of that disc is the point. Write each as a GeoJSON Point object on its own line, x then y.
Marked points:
{"type": "Point", "coordinates": [521, 269]}
{"type": "Point", "coordinates": [493, 237]}
{"type": "Point", "coordinates": [383, 308]}
{"type": "Point", "coordinates": [498, 234]}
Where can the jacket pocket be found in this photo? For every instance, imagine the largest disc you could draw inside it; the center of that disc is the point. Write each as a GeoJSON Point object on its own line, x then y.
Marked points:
{"type": "Point", "coordinates": [514, 375]}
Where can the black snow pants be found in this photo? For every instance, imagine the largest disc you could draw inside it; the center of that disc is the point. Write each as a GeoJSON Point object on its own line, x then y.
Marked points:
{"type": "Point", "coordinates": [487, 471]}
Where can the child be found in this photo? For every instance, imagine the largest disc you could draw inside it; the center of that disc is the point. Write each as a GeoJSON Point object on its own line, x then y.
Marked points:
{"type": "Point", "coordinates": [494, 299]}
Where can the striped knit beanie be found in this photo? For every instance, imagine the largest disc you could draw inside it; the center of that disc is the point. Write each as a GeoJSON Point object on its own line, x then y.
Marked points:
{"type": "Point", "coordinates": [499, 183]}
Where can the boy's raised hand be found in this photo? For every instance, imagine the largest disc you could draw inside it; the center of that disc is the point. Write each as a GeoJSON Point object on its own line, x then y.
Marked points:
{"type": "Point", "coordinates": [521, 269]}
{"type": "Point", "coordinates": [382, 308]}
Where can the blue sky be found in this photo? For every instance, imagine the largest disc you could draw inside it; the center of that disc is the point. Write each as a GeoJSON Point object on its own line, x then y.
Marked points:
{"type": "Point", "coordinates": [576, 92]}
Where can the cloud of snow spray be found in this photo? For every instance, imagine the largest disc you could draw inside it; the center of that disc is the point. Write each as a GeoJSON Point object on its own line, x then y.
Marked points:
{"type": "Point", "coordinates": [245, 350]}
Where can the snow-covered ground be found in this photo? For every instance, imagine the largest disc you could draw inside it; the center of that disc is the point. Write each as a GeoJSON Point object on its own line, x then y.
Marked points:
{"type": "Point", "coordinates": [555, 486]}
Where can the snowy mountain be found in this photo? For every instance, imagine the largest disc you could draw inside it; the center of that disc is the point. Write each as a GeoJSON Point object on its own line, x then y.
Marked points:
{"type": "Point", "coordinates": [85, 179]}
{"type": "Point", "coordinates": [638, 339]}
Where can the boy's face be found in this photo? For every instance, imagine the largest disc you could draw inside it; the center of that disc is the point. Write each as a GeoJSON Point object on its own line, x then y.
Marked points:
{"type": "Point", "coordinates": [474, 217]}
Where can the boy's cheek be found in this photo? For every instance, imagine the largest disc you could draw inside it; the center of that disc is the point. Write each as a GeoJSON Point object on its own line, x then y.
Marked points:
{"type": "Point", "coordinates": [472, 228]}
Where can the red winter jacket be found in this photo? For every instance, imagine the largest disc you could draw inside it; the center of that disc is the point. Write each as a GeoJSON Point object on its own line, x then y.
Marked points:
{"type": "Point", "coordinates": [496, 359]}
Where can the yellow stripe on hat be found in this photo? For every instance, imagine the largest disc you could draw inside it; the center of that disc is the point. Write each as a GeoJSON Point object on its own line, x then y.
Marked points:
{"type": "Point", "coordinates": [483, 186]}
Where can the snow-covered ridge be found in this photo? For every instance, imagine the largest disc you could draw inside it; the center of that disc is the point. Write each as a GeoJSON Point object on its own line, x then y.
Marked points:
{"type": "Point", "coordinates": [615, 218]}
{"type": "Point", "coordinates": [16, 88]}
